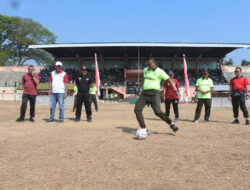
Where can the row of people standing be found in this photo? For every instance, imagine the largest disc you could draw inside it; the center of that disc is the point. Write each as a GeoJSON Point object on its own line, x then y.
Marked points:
{"type": "Point", "coordinates": [58, 89]}
{"type": "Point", "coordinates": [150, 95]}
{"type": "Point", "coordinates": [238, 93]}
{"type": "Point", "coordinates": [151, 85]}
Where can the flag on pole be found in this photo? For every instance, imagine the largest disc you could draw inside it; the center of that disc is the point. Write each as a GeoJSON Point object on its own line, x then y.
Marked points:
{"type": "Point", "coordinates": [186, 76]}
{"type": "Point", "coordinates": [97, 78]}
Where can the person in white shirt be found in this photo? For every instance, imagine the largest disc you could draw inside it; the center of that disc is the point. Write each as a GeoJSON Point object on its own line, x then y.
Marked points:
{"type": "Point", "coordinates": [58, 88]}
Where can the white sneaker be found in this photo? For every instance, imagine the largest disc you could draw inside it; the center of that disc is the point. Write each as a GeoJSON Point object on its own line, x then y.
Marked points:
{"type": "Point", "coordinates": [195, 121]}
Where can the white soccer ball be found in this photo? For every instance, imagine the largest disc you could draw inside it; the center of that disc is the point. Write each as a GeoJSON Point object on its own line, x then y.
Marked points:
{"type": "Point", "coordinates": [141, 134]}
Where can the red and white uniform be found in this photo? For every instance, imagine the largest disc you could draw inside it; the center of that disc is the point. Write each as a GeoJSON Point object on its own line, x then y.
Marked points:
{"type": "Point", "coordinates": [170, 92]}
{"type": "Point", "coordinates": [58, 81]}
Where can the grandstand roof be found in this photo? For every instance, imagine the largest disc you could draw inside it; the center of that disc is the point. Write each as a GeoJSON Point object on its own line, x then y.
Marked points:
{"type": "Point", "coordinates": [158, 49]}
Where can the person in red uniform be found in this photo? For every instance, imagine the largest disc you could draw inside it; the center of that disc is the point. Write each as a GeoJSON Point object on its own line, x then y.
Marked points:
{"type": "Point", "coordinates": [30, 81]}
{"type": "Point", "coordinates": [238, 92]}
{"type": "Point", "coordinates": [170, 96]}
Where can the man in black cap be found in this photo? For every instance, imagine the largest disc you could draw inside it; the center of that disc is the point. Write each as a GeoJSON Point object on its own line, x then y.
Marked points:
{"type": "Point", "coordinates": [204, 86]}
{"type": "Point", "coordinates": [83, 82]}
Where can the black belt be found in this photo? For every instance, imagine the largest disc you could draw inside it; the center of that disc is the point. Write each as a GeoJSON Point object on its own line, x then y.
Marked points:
{"type": "Point", "coordinates": [83, 92]}
{"type": "Point", "coordinates": [150, 92]}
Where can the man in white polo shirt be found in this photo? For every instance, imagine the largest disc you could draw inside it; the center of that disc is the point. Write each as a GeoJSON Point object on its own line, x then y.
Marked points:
{"type": "Point", "coordinates": [58, 88]}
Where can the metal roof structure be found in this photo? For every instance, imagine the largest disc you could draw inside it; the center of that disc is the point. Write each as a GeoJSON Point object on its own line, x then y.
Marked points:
{"type": "Point", "coordinates": [143, 49]}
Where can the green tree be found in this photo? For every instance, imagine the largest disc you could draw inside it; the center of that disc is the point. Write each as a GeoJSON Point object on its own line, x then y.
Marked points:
{"type": "Point", "coordinates": [5, 30]}
{"type": "Point", "coordinates": [16, 36]}
{"type": "Point", "coordinates": [245, 62]}
{"type": "Point", "coordinates": [228, 62]}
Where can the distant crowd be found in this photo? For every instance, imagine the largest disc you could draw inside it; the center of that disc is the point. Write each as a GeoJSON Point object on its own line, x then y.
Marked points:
{"type": "Point", "coordinates": [115, 77]}
{"type": "Point", "coordinates": [216, 75]}
{"type": "Point", "coordinates": [111, 77]}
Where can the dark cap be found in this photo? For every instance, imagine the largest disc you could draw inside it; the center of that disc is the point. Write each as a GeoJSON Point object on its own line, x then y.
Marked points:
{"type": "Point", "coordinates": [205, 71]}
{"type": "Point", "coordinates": [171, 72]}
{"type": "Point", "coordinates": [84, 68]}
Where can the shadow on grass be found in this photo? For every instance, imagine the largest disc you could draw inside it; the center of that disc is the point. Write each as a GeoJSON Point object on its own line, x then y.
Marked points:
{"type": "Point", "coordinates": [156, 119]}
{"type": "Point", "coordinates": [188, 120]}
{"type": "Point", "coordinates": [47, 120]}
{"type": "Point", "coordinates": [202, 121]}
{"type": "Point", "coordinates": [71, 119]}
{"type": "Point", "coordinates": [133, 131]}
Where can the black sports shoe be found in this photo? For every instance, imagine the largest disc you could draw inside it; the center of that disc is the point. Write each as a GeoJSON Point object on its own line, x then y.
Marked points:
{"type": "Point", "coordinates": [32, 120]}
{"type": "Point", "coordinates": [236, 121]}
{"type": "Point", "coordinates": [20, 119]}
{"type": "Point", "coordinates": [247, 122]}
{"type": "Point", "coordinates": [206, 121]}
{"type": "Point", "coordinates": [174, 127]}
{"type": "Point", "coordinates": [89, 120]}
{"type": "Point", "coordinates": [77, 119]}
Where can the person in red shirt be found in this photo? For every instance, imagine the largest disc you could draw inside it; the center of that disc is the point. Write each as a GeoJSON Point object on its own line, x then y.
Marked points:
{"type": "Point", "coordinates": [30, 81]}
{"type": "Point", "coordinates": [170, 96]}
{"type": "Point", "coordinates": [238, 92]}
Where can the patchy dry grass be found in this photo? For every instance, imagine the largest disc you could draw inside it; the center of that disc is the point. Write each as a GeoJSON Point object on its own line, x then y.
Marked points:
{"type": "Point", "coordinates": [104, 154]}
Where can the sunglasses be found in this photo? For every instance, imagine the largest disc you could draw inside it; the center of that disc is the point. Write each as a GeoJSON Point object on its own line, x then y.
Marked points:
{"type": "Point", "coordinates": [236, 71]}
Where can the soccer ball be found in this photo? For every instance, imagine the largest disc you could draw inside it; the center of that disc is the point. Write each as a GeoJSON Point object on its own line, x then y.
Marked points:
{"type": "Point", "coordinates": [141, 134]}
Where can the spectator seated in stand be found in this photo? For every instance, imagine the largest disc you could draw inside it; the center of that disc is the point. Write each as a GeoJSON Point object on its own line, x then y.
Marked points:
{"type": "Point", "coordinates": [115, 76]}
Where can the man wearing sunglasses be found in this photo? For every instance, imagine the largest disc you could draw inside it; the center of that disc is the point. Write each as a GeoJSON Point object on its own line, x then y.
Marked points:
{"type": "Point", "coordinates": [238, 92]}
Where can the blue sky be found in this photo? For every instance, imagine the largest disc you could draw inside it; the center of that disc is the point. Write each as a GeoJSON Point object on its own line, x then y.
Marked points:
{"type": "Point", "coordinates": [76, 21]}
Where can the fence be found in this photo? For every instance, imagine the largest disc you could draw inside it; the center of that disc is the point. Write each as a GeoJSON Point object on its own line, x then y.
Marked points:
{"type": "Point", "coordinates": [16, 96]}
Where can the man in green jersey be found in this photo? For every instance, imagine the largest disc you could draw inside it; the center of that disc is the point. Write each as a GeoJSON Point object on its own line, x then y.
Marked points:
{"type": "Point", "coordinates": [92, 92]}
{"type": "Point", "coordinates": [151, 95]}
{"type": "Point", "coordinates": [75, 90]}
{"type": "Point", "coordinates": [204, 86]}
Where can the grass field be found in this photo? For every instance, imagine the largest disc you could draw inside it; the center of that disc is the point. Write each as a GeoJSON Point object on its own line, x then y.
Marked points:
{"type": "Point", "coordinates": [105, 155]}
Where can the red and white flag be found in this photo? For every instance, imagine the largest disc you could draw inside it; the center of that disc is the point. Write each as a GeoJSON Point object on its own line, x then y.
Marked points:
{"type": "Point", "coordinates": [186, 76]}
{"type": "Point", "coordinates": [97, 78]}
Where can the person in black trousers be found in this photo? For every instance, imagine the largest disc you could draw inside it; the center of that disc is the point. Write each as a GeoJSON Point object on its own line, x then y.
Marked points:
{"type": "Point", "coordinates": [83, 82]}
{"type": "Point", "coordinates": [204, 86]}
{"type": "Point", "coordinates": [238, 92]}
{"type": "Point", "coordinates": [170, 96]}
{"type": "Point", "coordinates": [150, 85]}
{"type": "Point", "coordinates": [93, 99]}
{"type": "Point", "coordinates": [30, 81]}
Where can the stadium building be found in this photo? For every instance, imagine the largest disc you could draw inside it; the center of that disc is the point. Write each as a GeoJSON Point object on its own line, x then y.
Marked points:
{"type": "Point", "coordinates": [121, 64]}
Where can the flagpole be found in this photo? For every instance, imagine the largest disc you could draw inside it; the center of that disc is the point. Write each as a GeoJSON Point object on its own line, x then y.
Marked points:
{"type": "Point", "coordinates": [138, 69]}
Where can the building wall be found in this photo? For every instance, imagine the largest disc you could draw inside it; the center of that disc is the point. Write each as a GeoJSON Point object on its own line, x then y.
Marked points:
{"type": "Point", "coordinates": [10, 94]}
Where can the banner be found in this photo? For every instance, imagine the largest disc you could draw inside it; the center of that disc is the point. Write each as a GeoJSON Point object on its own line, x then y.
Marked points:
{"type": "Point", "coordinates": [186, 76]}
{"type": "Point", "coordinates": [97, 78]}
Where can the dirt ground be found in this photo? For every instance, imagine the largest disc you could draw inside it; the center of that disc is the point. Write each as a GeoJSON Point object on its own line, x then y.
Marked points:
{"type": "Point", "coordinates": [105, 155]}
